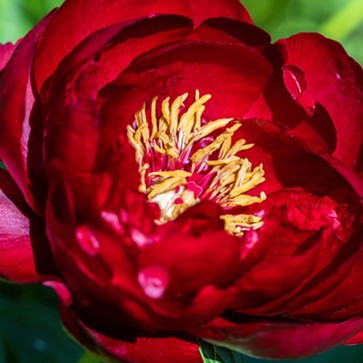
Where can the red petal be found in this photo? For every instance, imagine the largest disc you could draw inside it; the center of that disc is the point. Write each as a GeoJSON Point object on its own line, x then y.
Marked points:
{"type": "Point", "coordinates": [300, 233]}
{"type": "Point", "coordinates": [115, 47]}
{"type": "Point", "coordinates": [77, 100]}
{"type": "Point", "coordinates": [185, 68]}
{"type": "Point", "coordinates": [335, 81]}
{"type": "Point", "coordinates": [336, 292]}
{"type": "Point", "coordinates": [278, 104]}
{"type": "Point", "coordinates": [232, 31]}
{"type": "Point", "coordinates": [190, 69]}
{"type": "Point", "coordinates": [278, 339]}
{"type": "Point", "coordinates": [295, 83]}
{"type": "Point", "coordinates": [16, 102]}
{"type": "Point", "coordinates": [6, 51]}
{"type": "Point", "coordinates": [151, 350]}
{"type": "Point", "coordinates": [140, 350]}
{"type": "Point", "coordinates": [356, 339]}
{"type": "Point", "coordinates": [16, 255]}
{"type": "Point", "coordinates": [87, 17]}
{"type": "Point", "coordinates": [205, 254]}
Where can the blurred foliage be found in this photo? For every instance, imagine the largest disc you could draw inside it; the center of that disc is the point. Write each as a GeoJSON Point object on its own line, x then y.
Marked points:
{"type": "Point", "coordinates": [30, 331]}
{"type": "Point", "coordinates": [341, 20]}
{"type": "Point", "coordinates": [18, 16]}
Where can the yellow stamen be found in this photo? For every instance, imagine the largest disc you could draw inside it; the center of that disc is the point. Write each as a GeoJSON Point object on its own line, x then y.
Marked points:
{"type": "Point", "coordinates": [176, 183]}
{"type": "Point", "coordinates": [236, 225]}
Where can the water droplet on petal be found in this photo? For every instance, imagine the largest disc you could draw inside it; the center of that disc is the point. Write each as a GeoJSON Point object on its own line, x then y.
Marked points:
{"type": "Point", "coordinates": [87, 240]}
{"type": "Point", "coordinates": [140, 238]}
{"type": "Point", "coordinates": [113, 221]}
{"type": "Point", "coordinates": [295, 83]}
{"type": "Point", "coordinates": [153, 280]}
{"type": "Point", "coordinates": [294, 80]}
{"type": "Point", "coordinates": [333, 216]}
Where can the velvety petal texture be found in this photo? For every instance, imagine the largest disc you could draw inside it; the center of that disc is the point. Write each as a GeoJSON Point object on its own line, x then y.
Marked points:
{"type": "Point", "coordinates": [147, 348]}
{"type": "Point", "coordinates": [6, 51]}
{"type": "Point", "coordinates": [104, 13]}
{"type": "Point", "coordinates": [171, 174]}
{"type": "Point", "coordinates": [16, 257]}
{"type": "Point", "coordinates": [16, 106]}
{"type": "Point", "coordinates": [343, 99]}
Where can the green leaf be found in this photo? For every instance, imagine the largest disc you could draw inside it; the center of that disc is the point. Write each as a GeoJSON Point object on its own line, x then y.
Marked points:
{"type": "Point", "coordinates": [214, 354]}
{"type": "Point", "coordinates": [30, 329]}
{"type": "Point", "coordinates": [2, 166]}
{"type": "Point", "coordinates": [89, 357]}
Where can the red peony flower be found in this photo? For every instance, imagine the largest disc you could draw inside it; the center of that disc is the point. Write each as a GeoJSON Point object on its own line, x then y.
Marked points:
{"type": "Point", "coordinates": [173, 175]}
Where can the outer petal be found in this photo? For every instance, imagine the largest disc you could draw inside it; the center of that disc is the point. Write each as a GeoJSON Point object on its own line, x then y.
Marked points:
{"type": "Point", "coordinates": [356, 339]}
{"type": "Point", "coordinates": [112, 49]}
{"type": "Point", "coordinates": [72, 15]}
{"type": "Point", "coordinates": [142, 350]}
{"type": "Point", "coordinates": [278, 339]}
{"type": "Point", "coordinates": [335, 81]}
{"type": "Point", "coordinates": [6, 51]}
{"type": "Point", "coordinates": [16, 102]}
{"type": "Point", "coordinates": [335, 293]}
{"type": "Point", "coordinates": [16, 255]}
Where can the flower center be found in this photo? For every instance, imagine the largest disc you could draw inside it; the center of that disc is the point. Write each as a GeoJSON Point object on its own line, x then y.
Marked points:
{"type": "Point", "coordinates": [184, 159]}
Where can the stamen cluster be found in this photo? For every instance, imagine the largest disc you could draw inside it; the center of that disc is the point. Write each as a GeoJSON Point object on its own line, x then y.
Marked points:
{"type": "Point", "coordinates": [182, 160]}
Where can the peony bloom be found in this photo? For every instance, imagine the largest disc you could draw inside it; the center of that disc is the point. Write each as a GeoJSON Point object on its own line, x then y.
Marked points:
{"type": "Point", "coordinates": [173, 175]}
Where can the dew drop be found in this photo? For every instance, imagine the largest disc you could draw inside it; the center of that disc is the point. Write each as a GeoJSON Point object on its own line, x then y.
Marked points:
{"type": "Point", "coordinates": [154, 281]}
{"type": "Point", "coordinates": [113, 221]}
{"type": "Point", "coordinates": [140, 238]}
{"type": "Point", "coordinates": [333, 216]}
{"type": "Point", "coordinates": [87, 240]}
{"type": "Point", "coordinates": [294, 80]}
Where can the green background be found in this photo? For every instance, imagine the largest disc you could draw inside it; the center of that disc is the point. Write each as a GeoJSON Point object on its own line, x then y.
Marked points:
{"type": "Point", "coordinates": [30, 330]}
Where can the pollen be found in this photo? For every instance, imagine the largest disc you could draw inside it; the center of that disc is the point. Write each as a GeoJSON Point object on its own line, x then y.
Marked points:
{"type": "Point", "coordinates": [184, 159]}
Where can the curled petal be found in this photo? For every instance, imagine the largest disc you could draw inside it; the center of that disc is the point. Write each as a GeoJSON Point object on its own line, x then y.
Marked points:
{"type": "Point", "coordinates": [16, 103]}
{"type": "Point", "coordinates": [143, 349]}
{"type": "Point", "coordinates": [16, 255]}
{"type": "Point", "coordinates": [6, 51]}
{"type": "Point", "coordinates": [73, 16]}
{"type": "Point", "coordinates": [334, 80]}
{"type": "Point", "coordinates": [356, 339]}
